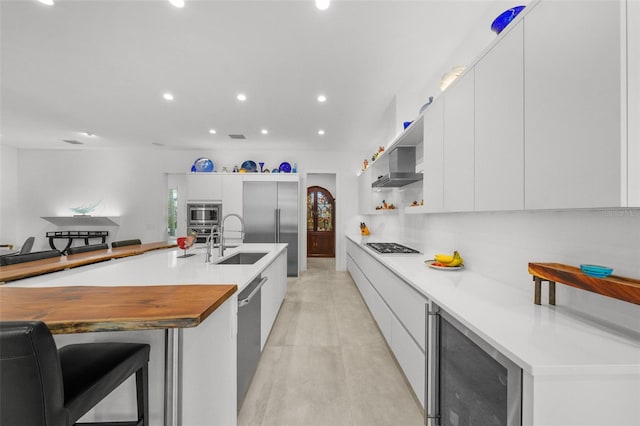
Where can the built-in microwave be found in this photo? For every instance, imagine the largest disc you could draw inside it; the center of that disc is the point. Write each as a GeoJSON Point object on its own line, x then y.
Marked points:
{"type": "Point", "coordinates": [203, 215]}
{"type": "Point", "coordinates": [468, 381]}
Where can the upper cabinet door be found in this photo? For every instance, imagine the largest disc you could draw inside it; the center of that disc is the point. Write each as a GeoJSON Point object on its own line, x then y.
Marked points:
{"type": "Point", "coordinates": [204, 187]}
{"type": "Point", "coordinates": [232, 193]}
{"type": "Point", "coordinates": [459, 144]}
{"type": "Point", "coordinates": [433, 156]}
{"type": "Point", "coordinates": [572, 101]}
{"type": "Point", "coordinates": [499, 118]}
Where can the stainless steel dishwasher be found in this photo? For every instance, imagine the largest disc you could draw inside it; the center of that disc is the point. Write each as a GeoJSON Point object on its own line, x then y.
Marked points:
{"type": "Point", "coordinates": [248, 334]}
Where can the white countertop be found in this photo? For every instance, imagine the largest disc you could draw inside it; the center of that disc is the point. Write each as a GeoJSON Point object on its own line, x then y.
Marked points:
{"type": "Point", "coordinates": [542, 340]}
{"type": "Point", "coordinates": [161, 267]}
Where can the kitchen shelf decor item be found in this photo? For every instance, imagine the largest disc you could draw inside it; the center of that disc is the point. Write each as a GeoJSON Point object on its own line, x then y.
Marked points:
{"type": "Point", "coordinates": [204, 165]}
{"type": "Point", "coordinates": [84, 209]}
{"type": "Point", "coordinates": [596, 270]}
{"type": "Point", "coordinates": [250, 166]}
{"type": "Point", "coordinates": [621, 288]}
{"type": "Point", "coordinates": [501, 22]}
{"type": "Point", "coordinates": [285, 167]}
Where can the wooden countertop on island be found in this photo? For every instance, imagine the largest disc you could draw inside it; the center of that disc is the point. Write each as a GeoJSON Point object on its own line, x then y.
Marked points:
{"type": "Point", "coordinates": [82, 309]}
{"type": "Point", "coordinates": [45, 266]}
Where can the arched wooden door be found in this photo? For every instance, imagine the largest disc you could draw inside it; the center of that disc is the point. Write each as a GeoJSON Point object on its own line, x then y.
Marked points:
{"type": "Point", "coordinates": [321, 208]}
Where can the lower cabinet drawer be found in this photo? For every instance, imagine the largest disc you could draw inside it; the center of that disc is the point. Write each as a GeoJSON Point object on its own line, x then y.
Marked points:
{"type": "Point", "coordinates": [410, 357]}
{"type": "Point", "coordinates": [407, 351]}
{"type": "Point", "coordinates": [379, 310]}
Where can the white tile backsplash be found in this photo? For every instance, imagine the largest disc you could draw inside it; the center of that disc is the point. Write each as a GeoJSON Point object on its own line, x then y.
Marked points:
{"type": "Point", "coordinates": [500, 245]}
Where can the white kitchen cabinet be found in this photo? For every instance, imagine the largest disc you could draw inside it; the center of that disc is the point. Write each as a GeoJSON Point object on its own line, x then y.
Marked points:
{"type": "Point", "coordinates": [232, 193]}
{"type": "Point", "coordinates": [499, 120]}
{"type": "Point", "coordinates": [433, 156]}
{"type": "Point", "coordinates": [204, 187]}
{"type": "Point", "coordinates": [272, 295]}
{"type": "Point", "coordinates": [409, 356]}
{"type": "Point", "coordinates": [379, 311]}
{"type": "Point", "coordinates": [398, 310]}
{"type": "Point", "coordinates": [573, 105]}
{"type": "Point", "coordinates": [458, 149]}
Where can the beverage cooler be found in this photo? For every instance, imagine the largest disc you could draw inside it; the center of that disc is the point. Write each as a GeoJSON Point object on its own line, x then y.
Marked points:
{"type": "Point", "coordinates": [469, 383]}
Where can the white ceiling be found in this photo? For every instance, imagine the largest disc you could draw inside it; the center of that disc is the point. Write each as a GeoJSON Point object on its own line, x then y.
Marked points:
{"type": "Point", "coordinates": [102, 66]}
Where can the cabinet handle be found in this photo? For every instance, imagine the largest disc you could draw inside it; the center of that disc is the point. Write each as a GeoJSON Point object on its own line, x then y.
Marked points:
{"type": "Point", "coordinates": [432, 398]}
{"type": "Point", "coordinates": [247, 300]}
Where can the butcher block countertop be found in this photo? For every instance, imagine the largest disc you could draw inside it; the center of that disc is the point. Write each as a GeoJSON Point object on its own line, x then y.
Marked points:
{"type": "Point", "coordinates": [81, 309]}
{"type": "Point", "coordinates": [45, 266]}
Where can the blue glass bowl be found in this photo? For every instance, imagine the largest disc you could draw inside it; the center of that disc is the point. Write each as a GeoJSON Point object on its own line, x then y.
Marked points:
{"type": "Point", "coordinates": [285, 167]}
{"type": "Point", "coordinates": [505, 18]}
{"type": "Point", "coordinates": [250, 166]}
{"type": "Point", "coordinates": [203, 165]}
{"type": "Point", "coordinates": [596, 270]}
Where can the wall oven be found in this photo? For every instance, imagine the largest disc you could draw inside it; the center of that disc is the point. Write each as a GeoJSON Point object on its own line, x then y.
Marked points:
{"type": "Point", "coordinates": [468, 381]}
{"type": "Point", "coordinates": [201, 216]}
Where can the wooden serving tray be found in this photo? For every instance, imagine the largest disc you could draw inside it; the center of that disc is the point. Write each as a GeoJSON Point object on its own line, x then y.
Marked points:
{"type": "Point", "coordinates": [621, 288]}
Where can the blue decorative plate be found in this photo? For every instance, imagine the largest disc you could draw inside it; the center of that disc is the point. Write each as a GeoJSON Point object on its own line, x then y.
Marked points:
{"type": "Point", "coordinates": [285, 167]}
{"type": "Point", "coordinates": [505, 18]}
{"type": "Point", "coordinates": [203, 165]}
{"type": "Point", "coordinates": [596, 270]}
{"type": "Point", "coordinates": [250, 166]}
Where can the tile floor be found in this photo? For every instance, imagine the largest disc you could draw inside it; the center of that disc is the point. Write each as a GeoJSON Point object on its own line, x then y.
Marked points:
{"type": "Point", "coordinates": [326, 363]}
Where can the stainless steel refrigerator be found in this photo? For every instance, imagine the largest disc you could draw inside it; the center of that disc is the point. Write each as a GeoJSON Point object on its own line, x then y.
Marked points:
{"type": "Point", "coordinates": [270, 212]}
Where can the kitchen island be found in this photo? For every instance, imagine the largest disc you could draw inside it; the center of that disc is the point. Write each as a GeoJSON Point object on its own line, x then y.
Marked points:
{"type": "Point", "coordinates": [192, 371]}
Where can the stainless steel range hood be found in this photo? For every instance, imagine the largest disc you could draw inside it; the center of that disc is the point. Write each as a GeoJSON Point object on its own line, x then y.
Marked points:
{"type": "Point", "coordinates": [402, 169]}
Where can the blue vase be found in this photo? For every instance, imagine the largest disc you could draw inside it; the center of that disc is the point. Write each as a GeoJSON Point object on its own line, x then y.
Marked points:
{"type": "Point", "coordinates": [505, 18]}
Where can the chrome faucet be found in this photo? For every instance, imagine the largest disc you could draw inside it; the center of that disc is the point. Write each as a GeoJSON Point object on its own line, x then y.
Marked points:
{"type": "Point", "coordinates": [222, 231]}
{"type": "Point", "coordinates": [214, 232]}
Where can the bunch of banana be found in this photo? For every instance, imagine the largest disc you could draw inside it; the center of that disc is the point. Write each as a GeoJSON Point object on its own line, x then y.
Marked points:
{"type": "Point", "coordinates": [449, 259]}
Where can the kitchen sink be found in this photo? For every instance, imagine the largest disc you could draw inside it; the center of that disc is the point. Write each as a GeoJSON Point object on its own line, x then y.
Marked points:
{"type": "Point", "coordinates": [242, 258]}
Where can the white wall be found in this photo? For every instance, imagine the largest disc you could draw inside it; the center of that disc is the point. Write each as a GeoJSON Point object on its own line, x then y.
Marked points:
{"type": "Point", "coordinates": [326, 180]}
{"type": "Point", "coordinates": [132, 184]}
{"type": "Point", "coordinates": [9, 196]}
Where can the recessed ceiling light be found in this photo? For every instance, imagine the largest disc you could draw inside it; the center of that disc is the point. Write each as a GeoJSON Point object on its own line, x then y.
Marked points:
{"type": "Point", "coordinates": [212, 131]}
{"type": "Point", "coordinates": [47, 2]}
{"type": "Point", "coordinates": [241, 97]}
{"type": "Point", "coordinates": [322, 98]}
{"type": "Point", "coordinates": [168, 96]}
{"type": "Point", "coordinates": [321, 132]}
{"type": "Point", "coordinates": [177, 3]}
{"type": "Point", "coordinates": [322, 4]}
{"type": "Point", "coordinates": [264, 131]}
{"type": "Point", "coordinates": [89, 134]}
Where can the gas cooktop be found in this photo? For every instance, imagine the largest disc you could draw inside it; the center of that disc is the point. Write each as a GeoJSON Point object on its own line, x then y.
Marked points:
{"type": "Point", "coordinates": [387, 248]}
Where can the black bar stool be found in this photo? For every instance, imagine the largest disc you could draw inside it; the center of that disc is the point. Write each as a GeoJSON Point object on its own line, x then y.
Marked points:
{"type": "Point", "coordinates": [43, 386]}
{"type": "Point", "coordinates": [125, 243]}
{"type": "Point", "coordinates": [84, 249]}
{"type": "Point", "coordinates": [28, 257]}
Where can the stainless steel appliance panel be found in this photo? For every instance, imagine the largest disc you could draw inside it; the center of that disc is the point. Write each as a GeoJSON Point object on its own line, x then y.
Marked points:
{"type": "Point", "coordinates": [249, 312]}
{"type": "Point", "coordinates": [288, 223]}
{"type": "Point", "coordinates": [259, 204]}
{"type": "Point", "coordinates": [201, 217]}
{"type": "Point", "coordinates": [270, 212]}
{"type": "Point", "coordinates": [470, 382]}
